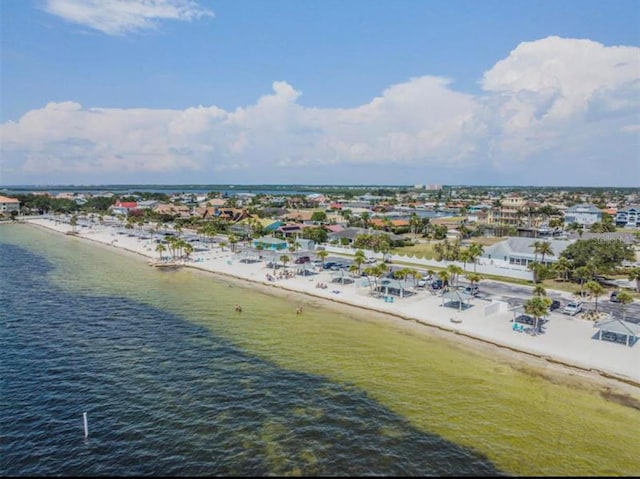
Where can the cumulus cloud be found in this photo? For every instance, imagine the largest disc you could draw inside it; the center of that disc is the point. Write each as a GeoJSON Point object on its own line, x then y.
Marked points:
{"type": "Point", "coordinates": [118, 17]}
{"type": "Point", "coordinates": [557, 111]}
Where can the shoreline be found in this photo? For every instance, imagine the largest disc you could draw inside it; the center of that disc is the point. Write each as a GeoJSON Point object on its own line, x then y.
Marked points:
{"type": "Point", "coordinates": [544, 363]}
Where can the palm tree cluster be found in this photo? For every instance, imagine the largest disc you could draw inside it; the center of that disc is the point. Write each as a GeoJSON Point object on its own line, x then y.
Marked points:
{"type": "Point", "coordinates": [454, 252]}
{"type": "Point", "coordinates": [177, 248]}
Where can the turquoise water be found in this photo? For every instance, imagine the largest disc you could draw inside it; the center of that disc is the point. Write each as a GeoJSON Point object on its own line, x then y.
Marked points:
{"type": "Point", "coordinates": [175, 382]}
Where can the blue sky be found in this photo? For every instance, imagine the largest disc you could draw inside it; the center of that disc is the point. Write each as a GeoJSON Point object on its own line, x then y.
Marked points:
{"type": "Point", "coordinates": [315, 92]}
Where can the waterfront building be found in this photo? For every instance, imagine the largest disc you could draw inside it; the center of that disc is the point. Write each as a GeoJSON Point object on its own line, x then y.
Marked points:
{"type": "Point", "coordinates": [9, 205]}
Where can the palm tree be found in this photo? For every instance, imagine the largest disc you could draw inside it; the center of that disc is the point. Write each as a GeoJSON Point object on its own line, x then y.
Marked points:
{"type": "Point", "coordinates": [455, 272]}
{"type": "Point", "coordinates": [473, 278]}
{"type": "Point", "coordinates": [535, 268]}
{"type": "Point", "coordinates": [284, 259]}
{"type": "Point", "coordinates": [160, 248]}
{"type": "Point", "coordinates": [563, 267]}
{"type": "Point", "coordinates": [414, 224]}
{"type": "Point", "coordinates": [539, 291]}
{"type": "Point", "coordinates": [624, 298]}
{"type": "Point", "coordinates": [444, 276]}
{"type": "Point", "coordinates": [634, 275]}
{"type": "Point", "coordinates": [582, 274]}
{"type": "Point", "coordinates": [359, 259]}
{"type": "Point", "coordinates": [537, 307]}
{"type": "Point", "coordinates": [544, 248]}
{"type": "Point", "coordinates": [233, 240]}
{"type": "Point", "coordinates": [322, 254]}
{"type": "Point", "coordinates": [475, 251]}
{"type": "Point", "coordinates": [465, 257]}
{"type": "Point", "coordinates": [364, 218]}
{"type": "Point", "coordinates": [595, 289]}
{"type": "Point", "coordinates": [536, 249]}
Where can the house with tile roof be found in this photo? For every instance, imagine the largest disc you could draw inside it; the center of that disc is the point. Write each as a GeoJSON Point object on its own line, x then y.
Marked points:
{"type": "Point", "coordinates": [9, 205]}
{"type": "Point", "coordinates": [123, 207]}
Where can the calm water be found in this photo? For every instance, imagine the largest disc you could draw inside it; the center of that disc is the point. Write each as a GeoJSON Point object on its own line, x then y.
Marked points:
{"type": "Point", "coordinates": [176, 383]}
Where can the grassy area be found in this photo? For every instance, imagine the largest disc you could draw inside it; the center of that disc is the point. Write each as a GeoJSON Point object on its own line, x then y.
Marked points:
{"type": "Point", "coordinates": [425, 250]}
{"type": "Point", "coordinates": [486, 240]}
{"type": "Point", "coordinates": [421, 250]}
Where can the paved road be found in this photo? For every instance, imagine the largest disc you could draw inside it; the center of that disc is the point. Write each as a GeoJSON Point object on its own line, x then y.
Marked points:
{"type": "Point", "coordinates": [517, 295]}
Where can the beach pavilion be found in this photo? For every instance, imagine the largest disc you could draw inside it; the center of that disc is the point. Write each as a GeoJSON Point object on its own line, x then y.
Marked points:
{"type": "Point", "coordinates": [270, 243]}
{"type": "Point", "coordinates": [611, 327]}
{"type": "Point", "coordinates": [341, 277]}
{"type": "Point", "coordinates": [459, 298]}
{"type": "Point", "coordinates": [393, 286]}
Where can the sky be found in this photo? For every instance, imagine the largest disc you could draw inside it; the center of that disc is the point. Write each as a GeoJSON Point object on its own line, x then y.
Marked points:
{"type": "Point", "coordinates": [348, 92]}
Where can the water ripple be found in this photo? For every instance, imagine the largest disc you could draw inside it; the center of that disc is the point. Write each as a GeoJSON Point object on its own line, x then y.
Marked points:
{"type": "Point", "coordinates": [165, 397]}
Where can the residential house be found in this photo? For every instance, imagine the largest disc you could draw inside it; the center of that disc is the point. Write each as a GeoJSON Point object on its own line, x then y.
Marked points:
{"type": "Point", "coordinates": [123, 207]}
{"type": "Point", "coordinates": [584, 214]}
{"type": "Point", "coordinates": [628, 217]}
{"type": "Point", "coordinates": [178, 211]}
{"type": "Point", "coordinates": [303, 216]}
{"type": "Point", "coordinates": [9, 205]}
{"type": "Point", "coordinates": [292, 229]}
{"type": "Point", "coordinates": [147, 204]}
{"type": "Point", "coordinates": [520, 251]}
{"type": "Point", "coordinates": [352, 233]}
{"type": "Point", "coordinates": [514, 211]}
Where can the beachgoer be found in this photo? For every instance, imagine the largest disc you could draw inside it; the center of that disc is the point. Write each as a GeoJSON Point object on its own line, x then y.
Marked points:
{"type": "Point", "coordinates": [238, 308]}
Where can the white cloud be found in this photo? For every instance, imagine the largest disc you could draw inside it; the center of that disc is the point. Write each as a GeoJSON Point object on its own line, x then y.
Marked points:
{"type": "Point", "coordinates": [118, 17]}
{"type": "Point", "coordinates": [562, 111]}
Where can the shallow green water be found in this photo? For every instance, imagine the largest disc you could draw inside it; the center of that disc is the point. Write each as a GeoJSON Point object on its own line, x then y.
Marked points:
{"type": "Point", "coordinates": [523, 423]}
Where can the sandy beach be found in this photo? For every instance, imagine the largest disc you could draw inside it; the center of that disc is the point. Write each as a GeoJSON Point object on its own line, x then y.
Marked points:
{"type": "Point", "coordinates": [568, 344]}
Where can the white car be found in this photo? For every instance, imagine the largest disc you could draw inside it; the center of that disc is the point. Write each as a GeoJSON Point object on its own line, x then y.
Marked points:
{"type": "Point", "coordinates": [573, 308]}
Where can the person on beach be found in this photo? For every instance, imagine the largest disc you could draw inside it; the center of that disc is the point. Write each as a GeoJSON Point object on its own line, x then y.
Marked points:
{"type": "Point", "coordinates": [238, 308]}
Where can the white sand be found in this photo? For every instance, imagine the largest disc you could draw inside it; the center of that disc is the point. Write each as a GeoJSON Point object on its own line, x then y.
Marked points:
{"type": "Point", "coordinates": [566, 340]}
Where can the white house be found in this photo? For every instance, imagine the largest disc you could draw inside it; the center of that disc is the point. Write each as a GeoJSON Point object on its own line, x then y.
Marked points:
{"type": "Point", "coordinates": [584, 214]}
{"type": "Point", "coordinates": [8, 205]}
{"type": "Point", "coordinates": [521, 251]}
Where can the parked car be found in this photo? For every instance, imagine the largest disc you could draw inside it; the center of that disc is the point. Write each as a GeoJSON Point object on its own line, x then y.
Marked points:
{"type": "Point", "coordinates": [555, 304]}
{"type": "Point", "coordinates": [573, 308]}
{"type": "Point", "coordinates": [328, 264]}
{"type": "Point", "coordinates": [437, 284]}
{"type": "Point", "coordinates": [422, 283]}
{"type": "Point", "coordinates": [302, 260]}
{"type": "Point", "coordinates": [472, 289]}
{"type": "Point", "coordinates": [614, 297]}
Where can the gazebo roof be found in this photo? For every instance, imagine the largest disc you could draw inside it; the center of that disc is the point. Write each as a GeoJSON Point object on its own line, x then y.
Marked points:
{"type": "Point", "coordinates": [269, 240]}
{"type": "Point", "coordinates": [459, 296]}
{"type": "Point", "coordinates": [616, 325]}
{"type": "Point", "coordinates": [392, 283]}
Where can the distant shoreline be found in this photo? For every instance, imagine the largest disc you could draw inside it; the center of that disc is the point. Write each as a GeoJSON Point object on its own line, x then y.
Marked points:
{"type": "Point", "coordinates": [618, 388]}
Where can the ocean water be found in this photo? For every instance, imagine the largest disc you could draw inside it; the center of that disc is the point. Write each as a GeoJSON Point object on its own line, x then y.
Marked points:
{"type": "Point", "coordinates": [175, 382]}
